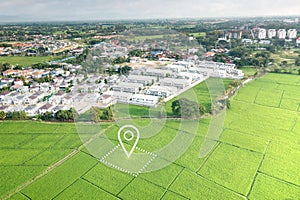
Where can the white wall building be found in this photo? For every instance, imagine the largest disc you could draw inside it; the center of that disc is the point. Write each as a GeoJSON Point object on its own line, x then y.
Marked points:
{"type": "Point", "coordinates": [298, 41]}
{"type": "Point", "coordinates": [160, 91]}
{"type": "Point", "coordinates": [32, 100]}
{"type": "Point", "coordinates": [46, 108]}
{"type": "Point", "coordinates": [144, 100]}
{"type": "Point", "coordinates": [172, 82]}
{"type": "Point", "coordinates": [158, 72]}
{"type": "Point", "coordinates": [271, 33]}
{"type": "Point", "coordinates": [262, 33]}
{"type": "Point", "coordinates": [105, 99]}
{"type": "Point", "coordinates": [122, 97]}
{"type": "Point", "coordinates": [127, 87]}
{"type": "Point", "coordinates": [281, 33]}
{"type": "Point", "coordinates": [292, 33]}
{"type": "Point", "coordinates": [31, 110]}
{"type": "Point", "coordinates": [145, 80]}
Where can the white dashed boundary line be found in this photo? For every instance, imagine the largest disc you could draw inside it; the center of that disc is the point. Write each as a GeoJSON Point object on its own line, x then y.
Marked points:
{"type": "Point", "coordinates": [125, 170]}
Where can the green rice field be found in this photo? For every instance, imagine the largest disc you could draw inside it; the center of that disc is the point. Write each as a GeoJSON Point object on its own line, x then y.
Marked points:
{"type": "Point", "coordinates": [27, 61]}
{"type": "Point", "coordinates": [256, 157]}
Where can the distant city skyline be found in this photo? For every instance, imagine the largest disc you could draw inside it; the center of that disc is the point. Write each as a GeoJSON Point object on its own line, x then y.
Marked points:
{"type": "Point", "coordinates": [73, 10]}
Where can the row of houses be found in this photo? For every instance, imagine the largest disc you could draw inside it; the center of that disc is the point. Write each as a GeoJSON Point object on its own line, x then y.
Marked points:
{"type": "Point", "coordinates": [32, 48]}
{"type": "Point", "coordinates": [130, 98]}
{"type": "Point", "coordinates": [262, 33]}
{"type": "Point", "coordinates": [33, 110]}
{"type": "Point", "coordinates": [147, 83]}
{"type": "Point", "coordinates": [144, 86]}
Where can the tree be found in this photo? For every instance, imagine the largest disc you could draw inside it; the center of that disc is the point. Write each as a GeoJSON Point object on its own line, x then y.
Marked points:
{"type": "Point", "coordinates": [262, 58]}
{"type": "Point", "coordinates": [68, 90]}
{"type": "Point", "coordinates": [124, 70]}
{"type": "Point", "coordinates": [187, 109]}
{"type": "Point", "coordinates": [279, 42]}
{"type": "Point", "coordinates": [176, 108]}
{"type": "Point", "coordinates": [234, 83]}
{"type": "Point", "coordinates": [47, 116]}
{"type": "Point", "coordinates": [2, 115]}
{"type": "Point", "coordinates": [219, 58]}
{"type": "Point", "coordinates": [107, 114]}
{"type": "Point", "coordinates": [72, 114]}
{"type": "Point", "coordinates": [202, 109]}
{"type": "Point", "coordinates": [239, 52]}
{"type": "Point", "coordinates": [19, 115]}
{"type": "Point", "coordinates": [297, 62]}
{"type": "Point", "coordinates": [228, 103]}
{"type": "Point", "coordinates": [271, 48]}
{"type": "Point", "coordinates": [136, 53]}
{"type": "Point", "coordinates": [284, 63]}
{"type": "Point", "coordinates": [61, 115]}
{"type": "Point", "coordinates": [66, 115]}
{"type": "Point", "coordinates": [119, 60]}
{"type": "Point", "coordinates": [95, 114]}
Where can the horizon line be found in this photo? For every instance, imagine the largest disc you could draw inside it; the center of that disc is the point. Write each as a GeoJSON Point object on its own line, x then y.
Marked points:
{"type": "Point", "coordinates": [140, 19]}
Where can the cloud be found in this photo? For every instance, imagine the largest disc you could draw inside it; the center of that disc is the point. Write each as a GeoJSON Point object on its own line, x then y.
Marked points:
{"type": "Point", "coordinates": [141, 9]}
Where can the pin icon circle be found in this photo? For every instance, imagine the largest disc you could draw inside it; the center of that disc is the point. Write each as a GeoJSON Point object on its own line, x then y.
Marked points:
{"type": "Point", "coordinates": [129, 135]}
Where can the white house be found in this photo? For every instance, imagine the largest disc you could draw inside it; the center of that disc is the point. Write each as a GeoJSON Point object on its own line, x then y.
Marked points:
{"type": "Point", "coordinates": [46, 108]}
{"type": "Point", "coordinates": [158, 72]}
{"type": "Point", "coordinates": [292, 33]}
{"type": "Point", "coordinates": [145, 80]}
{"type": "Point", "coordinates": [113, 79]}
{"type": "Point", "coordinates": [5, 108]}
{"type": "Point", "coordinates": [262, 33]}
{"type": "Point", "coordinates": [271, 33]}
{"type": "Point", "coordinates": [176, 67]}
{"type": "Point", "coordinates": [172, 82]}
{"type": "Point", "coordinates": [39, 95]}
{"type": "Point", "coordinates": [127, 87]}
{"type": "Point", "coordinates": [298, 41]}
{"type": "Point", "coordinates": [38, 74]}
{"type": "Point", "coordinates": [189, 76]}
{"type": "Point", "coordinates": [57, 98]}
{"type": "Point", "coordinates": [67, 100]}
{"type": "Point", "coordinates": [7, 101]}
{"type": "Point", "coordinates": [32, 100]}
{"type": "Point", "coordinates": [19, 100]}
{"type": "Point", "coordinates": [17, 108]}
{"type": "Point", "coordinates": [34, 89]}
{"type": "Point", "coordinates": [105, 99]}
{"type": "Point", "coordinates": [236, 74]}
{"type": "Point", "coordinates": [18, 82]}
{"type": "Point", "coordinates": [59, 80]}
{"type": "Point", "coordinates": [5, 98]}
{"type": "Point", "coordinates": [122, 97]}
{"type": "Point", "coordinates": [144, 100]}
{"type": "Point", "coordinates": [160, 91]}
{"type": "Point", "coordinates": [281, 33]}
{"type": "Point", "coordinates": [23, 89]}
{"type": "Point", "coordinates": [31, 110]}
{"type": "Point", "coordinates": [58, 108]}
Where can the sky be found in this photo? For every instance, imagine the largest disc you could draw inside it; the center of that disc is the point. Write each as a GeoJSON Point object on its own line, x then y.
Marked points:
{"type": "Point", "coordinates": [66, 10]}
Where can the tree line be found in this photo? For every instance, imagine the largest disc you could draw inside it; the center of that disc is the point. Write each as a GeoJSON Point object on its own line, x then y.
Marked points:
{"type": "Point", "coordinates": [61, 115]}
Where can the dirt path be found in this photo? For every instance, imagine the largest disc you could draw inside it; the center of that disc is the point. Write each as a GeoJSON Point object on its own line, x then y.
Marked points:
{"type": "Point", "coordinates": [54, 166]}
